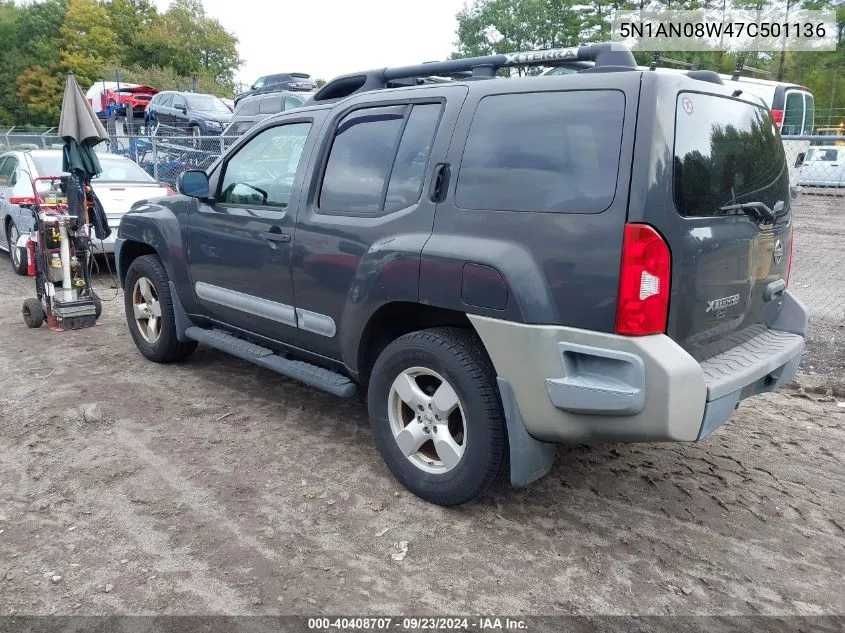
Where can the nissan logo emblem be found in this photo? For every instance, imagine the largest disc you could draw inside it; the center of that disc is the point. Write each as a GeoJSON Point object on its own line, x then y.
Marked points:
{"type": "Point", "coordinates": [778, 252]}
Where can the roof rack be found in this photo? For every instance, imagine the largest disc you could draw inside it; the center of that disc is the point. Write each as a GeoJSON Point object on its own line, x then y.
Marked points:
{"type": "Point", "coordinates": [607, 56]}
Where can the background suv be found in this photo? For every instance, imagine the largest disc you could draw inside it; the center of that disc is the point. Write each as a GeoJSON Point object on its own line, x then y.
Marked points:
{"type": "Point", "coordinates": [190, 113]}
{"type": "Point", "coordinates": [255, 108]}
{"type": "Point", "coordinates": [279, 82]}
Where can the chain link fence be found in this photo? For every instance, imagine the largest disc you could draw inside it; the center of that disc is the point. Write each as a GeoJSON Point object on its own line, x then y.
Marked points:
{"type": "Point", "coordinates": [21, 137]}
{"type": "Point", "coordinates": [817, 170]}
{"type": "Point", "coordinates": [165, 157]}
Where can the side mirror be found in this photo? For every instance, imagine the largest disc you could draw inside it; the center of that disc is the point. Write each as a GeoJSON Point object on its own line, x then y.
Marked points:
{"type": "Point", "coordinates": [183, 109]}
{"type": "Point", "coordinates": [193, 183]}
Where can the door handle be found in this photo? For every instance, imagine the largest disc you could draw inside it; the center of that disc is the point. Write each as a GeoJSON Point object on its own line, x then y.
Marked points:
{"type": "Point", "coordinates": [275, 235]}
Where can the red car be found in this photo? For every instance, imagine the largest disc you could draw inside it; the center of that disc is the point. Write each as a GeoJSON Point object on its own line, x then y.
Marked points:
{"type": "Point", "coordinates": [104, 94]}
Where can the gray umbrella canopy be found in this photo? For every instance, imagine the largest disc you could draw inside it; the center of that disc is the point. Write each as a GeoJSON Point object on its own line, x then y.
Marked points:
{"type": "Point", "coordinates": [81, 130]}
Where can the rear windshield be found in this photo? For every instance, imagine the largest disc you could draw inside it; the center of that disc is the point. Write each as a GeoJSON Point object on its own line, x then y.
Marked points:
{"type": "Point", "coordinates": [822, 155]}
{"type": "Point", "coordinates": [115, 169]}
{"type": "Point", "coordinates": [726, 152]}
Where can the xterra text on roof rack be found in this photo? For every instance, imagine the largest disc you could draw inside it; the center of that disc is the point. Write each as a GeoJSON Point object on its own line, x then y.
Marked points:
{"type": "Point", "coordinates": [498, 265]}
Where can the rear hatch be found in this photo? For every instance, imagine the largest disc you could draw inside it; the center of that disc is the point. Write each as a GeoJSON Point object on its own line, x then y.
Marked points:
{"type": "Point", "coordinates": [731, 235]}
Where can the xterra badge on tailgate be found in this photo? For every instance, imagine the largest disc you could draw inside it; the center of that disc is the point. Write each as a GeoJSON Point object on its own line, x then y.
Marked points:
{"type": "Point", "coordinates": [720, 304]}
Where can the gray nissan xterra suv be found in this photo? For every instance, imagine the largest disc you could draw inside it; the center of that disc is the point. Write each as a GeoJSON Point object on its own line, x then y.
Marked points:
{"type": "Point", "coordinates": [499, 264]}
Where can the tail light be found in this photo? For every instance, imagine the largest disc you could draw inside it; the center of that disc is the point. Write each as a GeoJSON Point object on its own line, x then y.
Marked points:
{"type": "Point", "coordinates": [170, 192]}
{"type": "Point", "coordinates": [777, 115]}
{"type": "Point", "coordinates": [26, 200]}
{"type": "Point", "coordinates": [643, 303]}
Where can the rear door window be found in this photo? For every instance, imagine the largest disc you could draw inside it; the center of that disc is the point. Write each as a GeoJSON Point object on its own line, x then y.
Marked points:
{"type": "Point", "coordinates": [726, 152]}
{"type": "Point", "coordinates": [799, 113]}
{"type": "Point", "coordinates": [552, 152]}
{"type": "Point", "coordinates": [809, 113]}
{"type": "Point", "coordinates": [371, 170]}
{"type": "Point", "coordinates": [165, 101]}
{"type": "Point", "coordinates": [7, 171]}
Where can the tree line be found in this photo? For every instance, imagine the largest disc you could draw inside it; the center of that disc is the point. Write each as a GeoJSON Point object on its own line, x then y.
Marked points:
{"type": "Point", "coordinates": [41, 42]}
{"type": "Point", "coordinates": [487, 27]}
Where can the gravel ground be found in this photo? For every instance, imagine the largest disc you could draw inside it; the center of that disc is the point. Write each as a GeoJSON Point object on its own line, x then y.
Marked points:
{"type": "Point", "coordinates": [214, 487]}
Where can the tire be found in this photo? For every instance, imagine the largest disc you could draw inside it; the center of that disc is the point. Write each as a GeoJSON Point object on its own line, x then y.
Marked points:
{"type": "Point", "coordinates": [147, 285]}
{"type": "Point", "coordinates": [445, 473]}
{"type": "Point", "coordinates": [16, 255]}
{"type": "Point", "coordinates": [33, 313]}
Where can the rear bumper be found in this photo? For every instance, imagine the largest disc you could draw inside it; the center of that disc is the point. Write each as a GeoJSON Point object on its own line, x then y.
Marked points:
{"type": "Point", "coordinates": [571, 385]}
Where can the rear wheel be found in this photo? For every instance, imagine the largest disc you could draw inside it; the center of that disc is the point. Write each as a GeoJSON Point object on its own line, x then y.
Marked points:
{"type": "Point", "coordinates": [149, 312]}
{"type": "Point", "coordinates": [16, 255]}
{"type": "Point", "coordinates": [33, 313]}
{"type": "Point", "coordinates": [436, 415]}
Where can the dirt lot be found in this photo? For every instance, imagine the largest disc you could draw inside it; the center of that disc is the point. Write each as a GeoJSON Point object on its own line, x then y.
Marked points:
{"type": "Point", "coordinates": [215, 487]}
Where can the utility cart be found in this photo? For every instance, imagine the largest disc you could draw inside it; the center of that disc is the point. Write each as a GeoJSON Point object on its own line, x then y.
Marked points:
{"type": "Point", "coordinates": [58, 256]}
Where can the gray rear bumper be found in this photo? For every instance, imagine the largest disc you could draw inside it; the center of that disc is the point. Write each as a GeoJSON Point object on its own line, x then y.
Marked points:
{"type": "Point", "coordinates": [572, 385]}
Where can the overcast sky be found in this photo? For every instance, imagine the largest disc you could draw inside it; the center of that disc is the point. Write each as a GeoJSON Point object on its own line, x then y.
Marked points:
{"type": "Point", "coordinates": [326, 38]}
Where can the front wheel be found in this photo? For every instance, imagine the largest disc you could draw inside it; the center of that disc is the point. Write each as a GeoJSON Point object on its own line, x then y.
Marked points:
{"type": "Point", "coordinates": [149, 312]}
{"type": "Point", "coordinates": [436, 415]}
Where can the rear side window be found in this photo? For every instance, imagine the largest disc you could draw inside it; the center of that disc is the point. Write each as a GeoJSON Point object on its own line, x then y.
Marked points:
{"type": "Point", "coordinates": [270, 105]}
{"type": "Point", "coordinates": [544, 152]}
{"type": "Point", "coordinates": [248, 108]}
{"type": "Point", "coordinates": [726, 152]}
{"type": "Point", "coordinates": [292, 102]}
{"type": "Point", "coordinates": [378, 159]}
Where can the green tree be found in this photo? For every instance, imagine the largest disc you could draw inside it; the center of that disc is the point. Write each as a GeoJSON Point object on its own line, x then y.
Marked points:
{"type": "Point", "coordinates": [88, 40]}
{"type": "Point", "coordinates": [129, 19]}
{"type": "Point", "coordinates": [41, 88]}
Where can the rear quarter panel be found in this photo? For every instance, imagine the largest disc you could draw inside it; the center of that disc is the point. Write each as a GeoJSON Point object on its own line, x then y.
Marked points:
{"type": "Point", "coordinates": [559, 268]}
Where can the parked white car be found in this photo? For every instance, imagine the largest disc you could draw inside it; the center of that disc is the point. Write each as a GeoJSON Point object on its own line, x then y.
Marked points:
{"type": "Point", "coordinates": [121, 184]}
{"type": "Point", "coordinates": [824, 166]}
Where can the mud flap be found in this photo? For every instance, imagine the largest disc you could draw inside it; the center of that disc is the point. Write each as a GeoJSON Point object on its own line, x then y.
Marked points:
{"type": "Point", "coordinates": [530, 458]}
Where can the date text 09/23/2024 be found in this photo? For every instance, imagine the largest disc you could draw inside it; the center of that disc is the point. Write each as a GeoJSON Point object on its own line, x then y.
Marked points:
{"type": "Point", "coordinates": [479, 623]}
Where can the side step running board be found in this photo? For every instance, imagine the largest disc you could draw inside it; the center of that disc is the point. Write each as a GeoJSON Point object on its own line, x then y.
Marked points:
{"type": "Point", "coordinates": [307, 373]}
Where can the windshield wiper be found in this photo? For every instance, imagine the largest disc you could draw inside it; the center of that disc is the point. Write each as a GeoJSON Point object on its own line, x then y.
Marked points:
{"type": "Point", "coordinates": [758, 211]}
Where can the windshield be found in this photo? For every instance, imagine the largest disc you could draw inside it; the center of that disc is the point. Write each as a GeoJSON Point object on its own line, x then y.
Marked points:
{"type": "Point", "coordinates": [115, 169]}
{"type": "Point", "coordinates": [206, 103]}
